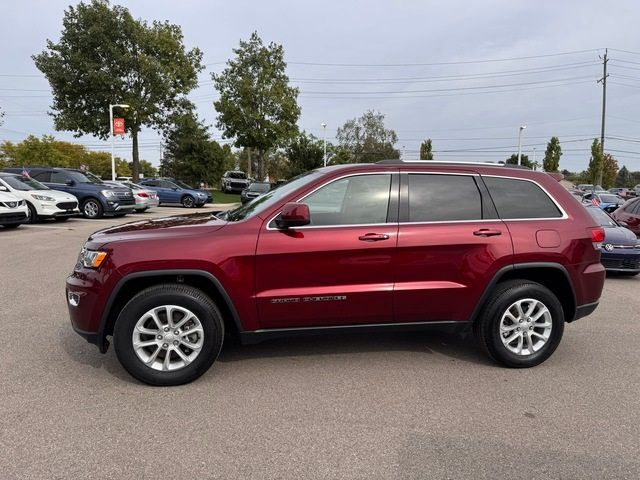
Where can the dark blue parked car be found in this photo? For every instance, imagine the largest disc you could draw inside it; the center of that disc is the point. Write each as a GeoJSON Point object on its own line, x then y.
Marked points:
{"type": "Point", "coordinates": [174, 191]}
{"type": "Point", "coordinates": [95, 197]}
{"type": "Point", "coordinates": [621, 248]}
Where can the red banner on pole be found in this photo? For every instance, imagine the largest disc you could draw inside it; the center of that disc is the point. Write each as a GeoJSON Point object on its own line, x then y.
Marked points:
{"type": "Point", "coordinates": [118, 126]}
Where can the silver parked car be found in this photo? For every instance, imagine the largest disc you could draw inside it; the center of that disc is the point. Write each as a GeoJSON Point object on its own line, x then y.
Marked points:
{"type": "Point", "coordinates": [144, 197]}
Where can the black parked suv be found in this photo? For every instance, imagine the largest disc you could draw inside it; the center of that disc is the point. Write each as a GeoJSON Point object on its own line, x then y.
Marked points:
{"type": "Point", "coordinates": [95, 197]}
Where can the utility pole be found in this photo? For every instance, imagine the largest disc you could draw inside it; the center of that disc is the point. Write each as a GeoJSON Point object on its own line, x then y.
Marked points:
{"type": "Point", "coordinates": [605, 60]}
{"type": "Point", "coordinates": [324, 134]}
{"type": "Point", "coordinates": [522, 127]}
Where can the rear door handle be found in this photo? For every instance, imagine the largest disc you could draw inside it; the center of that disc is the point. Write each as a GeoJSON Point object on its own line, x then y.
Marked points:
{"type": "Point", "coordinates": [373, 237]}
{"type": "Point", "coordinates": [487, 232]}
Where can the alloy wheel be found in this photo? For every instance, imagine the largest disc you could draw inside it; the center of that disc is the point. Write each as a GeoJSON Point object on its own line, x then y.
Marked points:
{"type": "Point", "coordinates": [525, 327]}
{"type": "Point", "coordinates": [168, 338]}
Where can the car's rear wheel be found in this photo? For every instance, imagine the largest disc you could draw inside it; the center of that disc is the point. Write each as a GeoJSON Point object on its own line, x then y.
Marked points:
{"type": "Point", "coordinates": [521, 325]}
{"type": "Point", "coordinates": [168, 334]}
{"type": "Point", "coordinates": [91, 208]}
{"type": "Point", "coordinates": [188, 201]}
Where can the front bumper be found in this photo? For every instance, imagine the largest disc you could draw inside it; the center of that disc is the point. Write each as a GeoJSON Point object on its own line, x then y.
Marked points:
{"type": "Point", "coordinates": [621, 262]}
{"type": "Point", "coordinates": [85, 296]}
{"type": "Point", "coordinates": [13, 218]}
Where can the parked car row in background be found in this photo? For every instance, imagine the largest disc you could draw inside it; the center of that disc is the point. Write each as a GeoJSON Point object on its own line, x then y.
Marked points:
{"type": "Point", "coordinates": [31, 194]}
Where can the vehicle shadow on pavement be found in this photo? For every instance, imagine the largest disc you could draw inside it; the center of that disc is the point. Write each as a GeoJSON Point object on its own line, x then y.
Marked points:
{"type": "Point", "coordinates": [82, 352]}
{"type": "Point", "coordinates": [457, 346]}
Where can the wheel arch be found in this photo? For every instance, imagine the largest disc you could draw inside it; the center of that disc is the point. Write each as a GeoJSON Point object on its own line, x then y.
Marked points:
{"type": "Point", "coordinates": [551, 275]}
{"type": "Point", "coordinates": [128, 286]}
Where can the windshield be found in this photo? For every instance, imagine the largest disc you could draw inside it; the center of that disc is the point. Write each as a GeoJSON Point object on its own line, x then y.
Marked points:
{"type": "Point", "coordinates": [240, 175]}
{"type": "Point", "coordinates": [609, 198]}
{"type": "Point", "coordinates": [23, 183]}
{"type": "Point", "coordinates": [182, 184]}
{"type": "Point", "coordinates": [80, 177]}
{"type": "Point", "coordinates": [259, 187]}
{"type": "Point", "coordinates": [267, 200]}
{"type": "Point", "coordinates": [602, 218]}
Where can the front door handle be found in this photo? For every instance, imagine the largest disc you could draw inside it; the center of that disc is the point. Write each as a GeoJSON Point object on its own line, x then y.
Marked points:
{"type": "Point", "coordinates": [373, 237]}
{"type": "Point", "coordinates": [487, 232]}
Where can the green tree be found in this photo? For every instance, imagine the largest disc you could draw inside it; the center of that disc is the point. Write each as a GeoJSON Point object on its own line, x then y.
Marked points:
{"type": "Point", "coordinates": [257, 106]}
{"type": "Point", "coordinates": [609, 170]}
{"type": "Point", "coordinates": [367, 138]}
{"type": "Point", "coordinates": [105, 56]}
{"type": "Point", "coordinates": [623, 178]}
{"type": "Point", "coordinates": [552, 154]}
{"type": "Point", "coordinates": [190, 153]}
{"type": "Point", "coordinates": [595, 162]}
{"type": "Point", "coordinates": [524, 160]}
{"type": "Point", "coordinates": [426, 151]}
{"type": "Point", "coordinates": [305, 152]}
{"type": "Point", "coordinates": [146, 169]}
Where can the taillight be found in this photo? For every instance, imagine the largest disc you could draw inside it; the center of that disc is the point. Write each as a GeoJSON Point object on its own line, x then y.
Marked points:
{"type": "Point", "coordinates": [597, 237]}
{"type": "Point", "coordinates": [142, 194]}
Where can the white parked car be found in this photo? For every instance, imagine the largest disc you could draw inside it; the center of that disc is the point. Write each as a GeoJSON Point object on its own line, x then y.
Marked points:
{"type": "Point", "coordinates": [144, 197]}
{"type": "Point", "coordinates": [41, 201]}
{"type": "Point", "coordinates": [13, 210]}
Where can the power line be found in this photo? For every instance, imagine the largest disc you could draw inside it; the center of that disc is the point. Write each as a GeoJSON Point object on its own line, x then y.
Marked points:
{"type": "Point", "coordinates": [431, 64]}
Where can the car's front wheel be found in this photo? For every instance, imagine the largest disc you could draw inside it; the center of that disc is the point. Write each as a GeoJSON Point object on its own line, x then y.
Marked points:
{"type": "Point", "coordinates": [521, 325]}
{"type": "Point", "coordinates": [188, 201]}
{"type": "Point", "coordinates": [168, 334]}
{"type": "Point", "coordinates": [91, 208]}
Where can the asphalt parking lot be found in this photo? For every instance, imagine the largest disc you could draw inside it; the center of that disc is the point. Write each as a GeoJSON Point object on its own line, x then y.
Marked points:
{"type": "Point", "coordinates": [401, 406]}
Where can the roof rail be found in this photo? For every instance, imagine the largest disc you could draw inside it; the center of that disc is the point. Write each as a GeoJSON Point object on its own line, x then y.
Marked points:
{"type": "Point", "coordinates": [452, 162]}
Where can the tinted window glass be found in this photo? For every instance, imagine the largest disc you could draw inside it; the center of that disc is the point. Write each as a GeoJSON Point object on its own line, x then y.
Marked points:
{"type": "Point", "coordinates": [42, 176]}
{"type": "Point", "coordinates": [437, 198]}
{"type": "Point", "coordinates": [165, 184]}
{"type": "Point", "coordinates": [520, 199]}
{"type": "Point", "coordinates": [635, 208]}
{"type": "Point", "coordinates": [356, 200]}
{"type": "Point", "coordinates": [58, 177]}
{"type": "Point", "coordinates": [151, 183]}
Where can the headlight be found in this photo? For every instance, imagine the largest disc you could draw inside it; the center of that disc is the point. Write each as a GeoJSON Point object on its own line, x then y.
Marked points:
{"type": "Point", "coordinates": [108, 193]}
{"type": "Point", "coordinates": [91, 258]}
{"type": "Point", "coordinates": [43, 198]}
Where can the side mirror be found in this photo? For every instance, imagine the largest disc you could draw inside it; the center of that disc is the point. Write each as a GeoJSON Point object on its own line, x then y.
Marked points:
{"type": "Point", "coordinates": [175, 189]}
{"type": "Point", "coordinates": [294, 215]}
{"type": "Point", "coordinates": [622, 224]}
{"type": "Point", "coordinates": [71, 183]}
{"type": "Point", "coordinates": [3, 188]}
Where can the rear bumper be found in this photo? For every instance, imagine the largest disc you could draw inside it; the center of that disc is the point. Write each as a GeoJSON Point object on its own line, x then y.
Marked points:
{"type": "Point", "coordinates": [584, 310]}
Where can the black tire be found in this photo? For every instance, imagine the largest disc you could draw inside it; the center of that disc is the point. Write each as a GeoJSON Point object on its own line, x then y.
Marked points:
{"type": "Point", "coordinates": [169, 294]}
{"type": "Point", "coordinates": [487, 327]}
{"type": "Point", "coordinates": [92, 208]}
{"type": "Point", "coordinates": [12, 225]}
{"type": "Point", "coordinates": [33, 214]}
{"type": "Point", "coordinates": [188, 201]}
{"type": "Point", "coordinates": [141, 210]}
{"type": "Point", "coordinates": [61, 219]}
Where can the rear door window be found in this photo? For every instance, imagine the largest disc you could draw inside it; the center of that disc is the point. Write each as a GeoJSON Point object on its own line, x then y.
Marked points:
{"type": "Point", "coordinates": [441, 198]}
{"type": "Point", "coordinates": [42, 176]}
{"type": "Point", "coordinates": [520, 199]}
{"type": "Point", "coordinates": [58, 177]}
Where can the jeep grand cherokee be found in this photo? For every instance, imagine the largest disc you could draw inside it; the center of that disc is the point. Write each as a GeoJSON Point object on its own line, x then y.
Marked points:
{"type": "Point", "coordinates": [505, 251]}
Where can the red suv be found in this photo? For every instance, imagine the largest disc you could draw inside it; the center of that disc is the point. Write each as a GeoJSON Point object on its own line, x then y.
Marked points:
{"type": "Point", "coordinates": [393, 245]}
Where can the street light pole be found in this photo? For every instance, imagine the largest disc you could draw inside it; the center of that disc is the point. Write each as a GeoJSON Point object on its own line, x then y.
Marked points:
{"type": "Point", "coordinates": [113, 158]}
{"type": "Point", "coordinates": [522, 127]}
{"type": "Point", "coordinates": [324, 130]}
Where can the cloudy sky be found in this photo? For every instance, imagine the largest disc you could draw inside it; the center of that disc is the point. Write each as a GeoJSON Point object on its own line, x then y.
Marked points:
{"type": "Point", "coordinates": [464, 73]}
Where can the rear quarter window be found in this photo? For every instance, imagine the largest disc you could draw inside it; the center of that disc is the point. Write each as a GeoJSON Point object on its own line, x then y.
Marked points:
{"type": "Point", "coordinates": [516, 199]}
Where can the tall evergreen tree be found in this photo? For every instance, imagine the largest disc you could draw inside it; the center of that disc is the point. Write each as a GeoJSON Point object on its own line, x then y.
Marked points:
{"type": "Point", "coordinates": [426, 151]}
{"type": "Point", "coordinates": [552, 154]}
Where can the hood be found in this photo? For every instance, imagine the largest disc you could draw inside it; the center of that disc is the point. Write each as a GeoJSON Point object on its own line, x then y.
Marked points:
{"type": "Point", "coordinates": [619, 236]}
{"type": "Point", "coordinates": [8, 197]}
{"type": "Point", "coordinates": [167, 227]}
